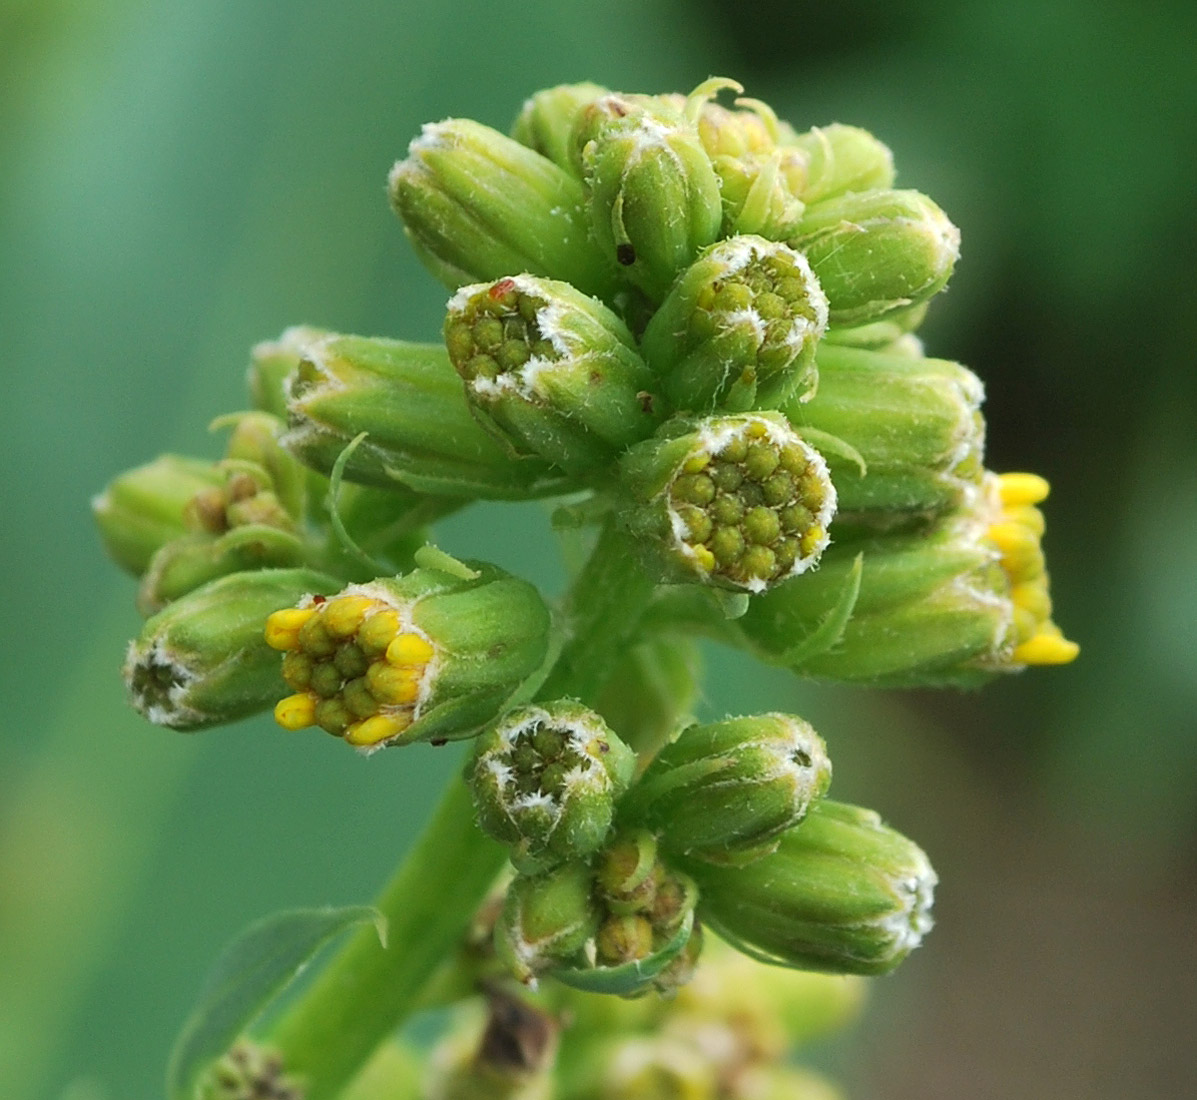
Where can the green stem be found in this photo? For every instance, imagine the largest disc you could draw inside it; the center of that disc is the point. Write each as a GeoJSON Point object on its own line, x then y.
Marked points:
{"type": "Point", "coordinates": [367, 990]}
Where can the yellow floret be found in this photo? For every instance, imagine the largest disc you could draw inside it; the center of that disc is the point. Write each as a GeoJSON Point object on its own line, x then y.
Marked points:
{"type": "Point", "coordinates": [282, 627]}
{"type": "Point", "coordinates": [373, 731]}
{"type": "Point", "coordinates": [1046, 648]}
{"type": "Point", "coordinates": [409, 649]}
{"type": "Point", "coordinates": [296, 712]}
{"type": "Point", "coordinates": [1017, 489]}
{"type": "Point", "coordinates": [343, 615]}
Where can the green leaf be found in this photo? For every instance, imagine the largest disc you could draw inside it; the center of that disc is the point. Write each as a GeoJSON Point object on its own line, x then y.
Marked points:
{"type": "Point", "coordinates": [251, 971]}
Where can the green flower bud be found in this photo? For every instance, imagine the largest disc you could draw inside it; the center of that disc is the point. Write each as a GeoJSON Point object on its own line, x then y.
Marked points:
{"type": "Point", "coordinates": [891, 335]}
{"type": "Point", "coordinates": [421, 435]}
{"type": "Point", "coordinates": [546, 122]}
{"type": "Point", "coordinates": [760, 193]}
{"type": "Point", "coordinates": [653, 194]}
{"type": "Point", "coordinates": [724, 792]}
{"type": "Point", "coordinates": [556, 371]}
{"type": "Point", "coordinates": [255, 444]}
{"type": "Point", "coordinates": [272, 362]}
{"type": "Point", "coordinates": [840, 159]}
{"type": "Point", "coordinates": [740, 502]}
{"type": "Point", "coordinates": [250, 1072]}
{"type": "Point", "coordinates": [877, 252]}
{"type": "Point", "coordinates": [842, 893]}
{"type": "Point", "coordinates": [545, 780]}
{"type": "Point", "coordinates": [143, 509]}
{"type": "Point", "coordinates": [184, 564]}
{"type": "Point", "coordinates": [915, 424]}
{"type": "Point", "coordinates": [739, 328]}
{"type": "Point", "coordinates": [547, 920]}
{"type": "Point", "coordinates": [477, 206]}
{"type": "Point", "coordinates": [430, 656]}
{"type": "Point", "coordinates": [203, 661]}
{"type": "Point", "coordinates": [632, 1067]}
{"type": "Point", "coordinates": [953, 605]}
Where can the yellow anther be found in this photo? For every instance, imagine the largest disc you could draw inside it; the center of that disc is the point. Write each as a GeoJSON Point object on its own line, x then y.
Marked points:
{"type": "Point", "coordinates": [1033, 597]}
{"type": "Point", "coordinates": [1046, 648]}
{"type": "Point", "coordinates": [391, 685]}
{"type": "Point", "coordinates": [1025, 515]}
{"type": "Point", "coordinates": [343, 615]}
{"type": "Point", "coordinates": [378, 631]}
{"type": "Point", "coordinates": [1013, 538]}
{"type": "Point", "coordinates": [1022, 488]}
{"type": "Point", "coordinates": [696, 463]}
{"type": "Point", "coordinates": [282, 627]}
{"type": "Point", "coordinates": [373, 731]}
{"type": "Point", "coordinates": [756, 429]}
{"type": "Point", "coordinates": [704, 559]}
{"type": "Point", "coordinates": [409, 649]}
{"type": "Point", "coordinates": [296, 712]}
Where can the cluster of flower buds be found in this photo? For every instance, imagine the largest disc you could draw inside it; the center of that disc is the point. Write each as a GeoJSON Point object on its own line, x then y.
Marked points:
{"type": "Point", "coordinates": [697, 323]}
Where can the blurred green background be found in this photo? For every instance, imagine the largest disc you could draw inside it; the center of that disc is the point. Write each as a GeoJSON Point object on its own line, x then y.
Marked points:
{"type": "Point", "coordinates": [181, 179]}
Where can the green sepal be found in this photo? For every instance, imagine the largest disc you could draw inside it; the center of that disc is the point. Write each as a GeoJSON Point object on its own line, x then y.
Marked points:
{"type": "Point", "coordinates": [630, 977]}
{"type": "Point", "coordinates": [478, 205]}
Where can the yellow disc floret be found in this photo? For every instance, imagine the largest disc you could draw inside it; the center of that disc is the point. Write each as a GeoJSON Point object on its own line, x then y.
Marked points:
{"type": "Point", "coordinates": [1016, 532]}
{"type": "Point", "coordinates": [358, 668]}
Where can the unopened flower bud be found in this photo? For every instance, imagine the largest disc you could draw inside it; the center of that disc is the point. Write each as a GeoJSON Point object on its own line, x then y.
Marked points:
{"type": "Point", "coordinates": [272, 362]}
{"type": "Point", "coordinates": [953, 605]}
{"type": "Point", "coordinates": [740, 502]}
{"type": "Point", "coordinates": [724, 792]}
{"type": "Point", "coordinates": [877, 252]}
{"type": "Point", "coordinates": [638, 1067]}
{"type": "Point", "coordinates": [477, 205]}
{"type": "Point", "coordinates": [557, 371]}
{"type": "Point", "coordinates": [186, 563]}
{"type": "Point", "coordinates": [840, 159]}
{"type": "Point", "coordinates": [546, 122]}
{"type": "Point", "coordinates": [545, 779]}
{"type": "Point", "coordinates": [203, 661]}
{"type": "Point", "coordinates": [547, 920]}
{"type": "Point", "coordinates": [653, 194]}
{"type": "Point", "coordinates": [420, 433]}
{"type": "Point", "coordinates": [431, 655]}
{"type": "Point", "coordinates": [738, 329]}
{"type": "Point", "coordinates": [760, 193]}
{"type": "Point", "coordinates": [842, 893]}
{"type": "Point", "coordinates": [914, 423]}
{"type": "Point", "coordinates": [144, 508]}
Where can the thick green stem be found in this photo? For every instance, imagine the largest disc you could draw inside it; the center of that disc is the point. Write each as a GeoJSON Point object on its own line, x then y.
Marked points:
{"type": "Point", "coordinates": [367, 990]}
